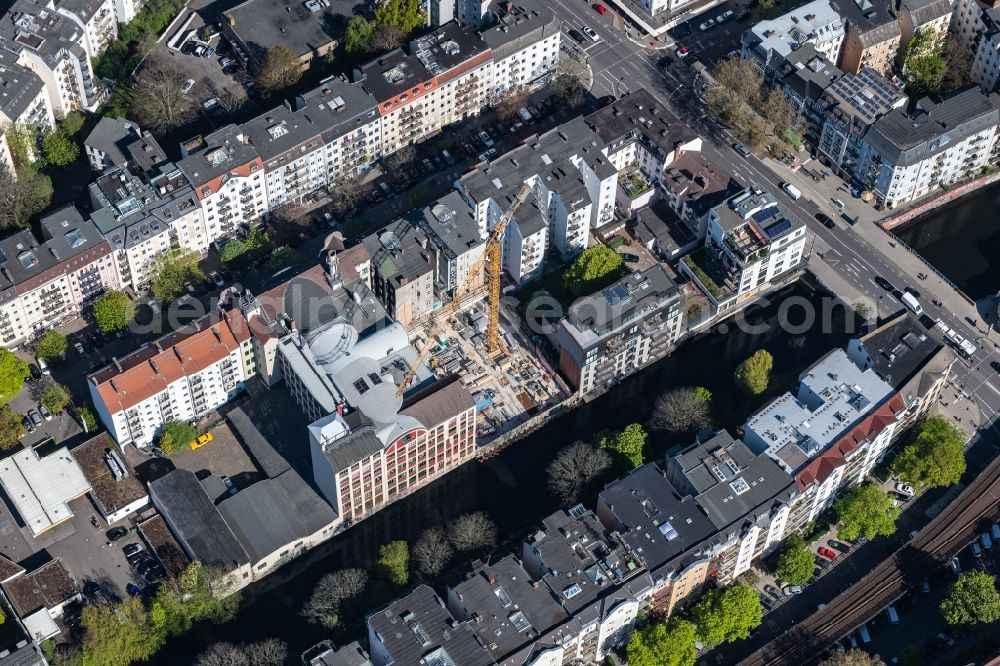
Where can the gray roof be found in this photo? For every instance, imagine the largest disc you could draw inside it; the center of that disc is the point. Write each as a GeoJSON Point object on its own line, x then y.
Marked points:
{"type": "Point", "coordinates": [924, 11]}
{"type": "Point", "coordinates": [23, 654]}
{"type": "Point", "coordinates": [83, 9]}
{"type": "Point", "coordinates": [401, 251]}
{"type": "Point", "coordinates": [509, 27]}
{"type": "Point", "coordinates": [349, 655]}
{"type": "Point", "coordinates": [262, 24]}
{"type": "Point", "coordinates": [418, 629]}
{"type": "Point", "coordinates": [219, 153]}
{"type": "Point", "coordinates": [507, 610]}
{"type": "Point", "coordinates": [659, 223]}
{"type": "Point", "coordinates": [24, 27]}
{"type": "Point", "coordinates": [110, 136]}
{"type": "Point", "coordinates": [899, 348]}
{"type": "Point", "coordinates": [655, 522]}
{"type": "Point", "coordinates": [728, 480]}
{"type": "Point", "coordinates": [808, 73]}
{"type": "Point", "coordinates": [641, 115]}
{"type": "Point", "coordinates": [195, 521]}
{"type": "Point", "coordinates": [19, 86]}
{"type": "Point", "coordinates": [864, 97]}
{"type": "Point", "coordinates": [346, 105]}
{"type": "Point", "coordinates": [905, 139]}
{"type": "Point", "coordinates": [873, 20]}
{"type": "Point", "coordinates": [452, 224]}
{"type": "Point", "coordinates": [619, 304]}
{"type": "Point", "coordinates": [270, 462]}
{"type": "Point", "coordinates": [391, 74]}
{"type": "Point", "coordinates": [361, 442]}
{"type": "Point", "coordinates": [276, 512]}
{"type": "Point", "coordinates": [447, 47]}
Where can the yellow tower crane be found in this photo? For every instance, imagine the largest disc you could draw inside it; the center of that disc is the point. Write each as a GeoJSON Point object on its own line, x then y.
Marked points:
{"type": "Point", "coordinates": [491, 260]}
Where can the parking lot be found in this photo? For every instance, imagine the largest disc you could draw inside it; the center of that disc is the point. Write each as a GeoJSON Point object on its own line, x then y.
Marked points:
{"type": "Point", "coordinates": [718, 39]}
{"type": "Point", "coordinates": [212, 86]}
{"type": "Point", "coordinates": [39, 424]}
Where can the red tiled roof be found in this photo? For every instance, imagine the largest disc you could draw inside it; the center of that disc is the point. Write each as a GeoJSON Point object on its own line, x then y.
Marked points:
{"type": "Point", "coordinates": [822, 466]}
{"type": "Point", "coordinates": [206, 342]}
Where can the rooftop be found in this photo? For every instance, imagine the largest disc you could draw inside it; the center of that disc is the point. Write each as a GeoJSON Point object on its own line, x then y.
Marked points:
{"type": "Point", "coordinates": [898, 349]}
{"type": "Point", "coordinates": [112, 480]}
{"type": "Point", "coordinates": [28, 25]}
{"type": "Point", "coordinates": [808, 73]}
{"type": "Point", "coordinates": [865, 96]}
{"type": "Point", "coordinates": [19, 87]}
{"type": "Point", "coordinates": [447, 47]}
{"type": "Point", "coordinates": [817, 21]}
{"type": "Point", "coordinates": [111, 136]}
{"type": "Point", "coordinates": [752, 220]}
{"type": "Point", "coordinates": [401, 251]}
{"type": "Point", "coordinates": [510, 26]}
{"type": "Point", "coordinates": [451, 225]}
{"type": "Point", "coordinates": [303, 27]}
{"type": "Point", "coordinates": [639, 115]}
{"type": "Point", "coordinates": [167, 550]}
{"type": "Point", "coordinates": [660, 224]}
{"type": "Point", "coordinates": [42, 487]}
{"type": "Point", "coordinates": [874, 20]}
{"type": "Point", "coordinates": [349, 655]}
{"type": "Point", "coordinates": [417, 628]}
{"type": "Point", "coordinates": [224, 150]}
{"type": "Point", "coordinates": [46, 587]}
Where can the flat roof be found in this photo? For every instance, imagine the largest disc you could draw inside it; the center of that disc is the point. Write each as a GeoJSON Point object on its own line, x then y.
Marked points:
{"type": "Point", "coordinates": [263, 24]}
{"type": "Point", "coordinates": [46, 587]}
{"type": "Point", "coordinates": [640, 113]}
{"type": "Point", "coordinates": [899, 348]}
{"type": "Point", "coordinates": [112, 480]}
{"type": "Point", "coordinates": [42, 487]}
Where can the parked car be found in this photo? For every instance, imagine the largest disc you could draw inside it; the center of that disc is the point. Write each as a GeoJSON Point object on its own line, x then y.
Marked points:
{"type": "Point", "coordinates": [882, 282]}
{"type": "Point", "coordinates": [575, 34]}
{"type": "Point", "coordinates": [905, 489]}
{"type": "Point", "coordinates": [772, 591]}
{"type": "Point", "coordinates": [705, 26]}
{"type": "Point", "coordinates": [210, 104]}
{"type": "Point", "coordinates": [131, 549]}
{"type": "Point", "coordinates": [147, 566]}
{"type": "Point", "coordinates": [35, 418]}
{"type": "Point", "coordinates": [187, 85]}
{"type": "Point", "coordinates": [116, 533]}
{"type": "Point", "coordinates": [838, 545]}
{"type": "Point", "coordinates": [35, 372]}
{"type": "Point", "coordinates": [724, 16]}
{"type": "Point", "coordinates": [217, 279]}
{"type": "Point", "coordinates": [925, 586]}
{"type": "Point", "coordinates": [200, 441]}
{"type": "Point", "coordinates": [485, 138]}
{"type": "Point", "coordinates": [208, 52]}
{"type": "Point", "coordinates": [826, 220]}
{"type": "Point", "coordinates": [600, 9]}
{"type": "Point", "coordinates": [138, 558]}
{"type": "Point", "coordinates": [587, 30]}
{"type": "Point", "coordinates": [946, 639]}
{"type": "Point", "coordinates": [133, 590]}
{"type": "Point", "coordinates": [956, 566]}
{"type": "Point", "coordinates": [155, 575]}
{"type": "Point", "coordinates": [827, 553]}
{"type": "Point", "coordinates": [682, 52]}
{"type": "Point", "coordinates": [229, 485]}
{"type": "Point", "coordinates": [79, 348]}
{"type": "Point", "coordinates": [28, 425]}
{"type": "Point", "coordinates": [977, 552]}
{"type": "Point", "coordinates": [792, 590]}
{"type": "Point", "coordinates": [46, 414]}
{"type": "Point", "coordinates": [630, 258]}
{"type": "Point", "coordinates": [984, 538]}
{"type": "Point", "coordinates": [823, 564]}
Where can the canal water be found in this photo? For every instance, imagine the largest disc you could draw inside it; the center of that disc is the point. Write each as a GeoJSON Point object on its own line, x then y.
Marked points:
{"type": "Point", "coordinates": [511, 487]}
{"type": "Point", "coordinates": [962, 240]}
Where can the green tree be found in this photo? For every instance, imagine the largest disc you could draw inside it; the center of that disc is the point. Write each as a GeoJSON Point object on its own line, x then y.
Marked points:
{"type": "Point", "coordinates": [358, 34]}
{"type": "Point", "coordinates": [72, 123]}
{"type": "Point", "coordinates": [628, 444]}
{"type": "Point", "coordinates": [796, 562]}
{"type": "Point", "coordinates": [935, 457]}
{"type": "Point", "coordinates": [233, 250]}
{"type": "Point", "coordinates": [59, 149]}
{"type": "Point", "coordinates": [195, 595]}
{"type": "Point", "coordinates": [56, 397]}
{"type": "Point", "coordinates": [113, 311]}
{"type": "Point", "coordinates": [176, 435]}
{"type": "Point", "coordinates": [402, 14]}
{"type": "Point", "coordinates": [88, 418]}
{"type": "Point", "coordinates": [754, 374]}
{"type": "Point", "coordinates": [866, 510]}
{"type": "Point", "coordinates": [394, 562]}
{"type": "Point", "coordinates": [11, 428]}
{"type": "Point", "coordinates": [723, 616]}
{"type": "Point", "coordinates": [171, 271]}
{"type": "Point", "coordinates": [282, 257]}
{"type": "Point", "coordinates": [13, 372]}
{"type": "Point", "coordinates": [118, 634]}
{"type": "Point", "coordinates": [281, 69]}
{"type": "Point", "coordinates": [51, 346]}
{"type": "Point", "coordinates": [23, 193]}
{"type": "Point", "coordinates": [120, 102]}
{"type": "Point", "coordinates": [669, 643]}
{"type": "Point", "coordinates": [595, 267]}
{"type": "Point", "coordinates": [972, 599]}
{"type": "Point", "coordinates": [333, 589]}
{"type": "Point", "coordinates": [853, 658]}
{"type": "Point", "coordinates": [924, 64]}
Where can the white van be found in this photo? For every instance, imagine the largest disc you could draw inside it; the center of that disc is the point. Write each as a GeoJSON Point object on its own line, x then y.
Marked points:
{"type": "Point", "coordinates": [911, 302]}
{"type": "Point", "coordinates": [863, 634]}
{"type": "Point", "coordinates": [893, 616]}
{"type": "Point", "coordinates": [791, 191]}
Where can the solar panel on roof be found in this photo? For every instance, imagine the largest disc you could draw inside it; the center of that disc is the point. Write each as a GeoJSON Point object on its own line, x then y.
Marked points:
{"type": "Point", "coordinates": [762, 216]}
{"type": "Point", "coordinates": [616, 294]}
{"type": "Point", "coordinates": [778, 228]}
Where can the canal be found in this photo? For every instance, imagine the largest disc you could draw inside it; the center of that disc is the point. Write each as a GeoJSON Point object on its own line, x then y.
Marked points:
{"type": "Point", "coordinates": [511, 487]}
{"type": "Point", "coordinates": [962, 240]}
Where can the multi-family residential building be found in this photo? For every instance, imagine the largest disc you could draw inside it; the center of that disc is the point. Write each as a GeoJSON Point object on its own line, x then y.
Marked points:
{"type": "Point", "coordinates": [227, 174]}
{"type": "Point", "coordinates": [98, 19]}
{"type": "Point", "coordinates": [573, 189]}
{"type": "Point", "coordinates": [872, 38]}
{"type": "Point", "coordinates": [445, 77]}
{"type": "Point", "coordinates": [830, 433]}
{"type": "Point", "coordinates": [619, 330]}
{"type": "Point", "coordinates": [806, 76]}
{"type": "Point", "coordinates": [524, 37]}
{"type": "Point", "coordinates": [917, 15]}
{"type": "Point", "coordinates": [752, 241]}
{"type": "Point", "coordinates": [332, 133]}
{"type": "Point", "coordinates": [769, 42]}
{"type": "Point", "coordinates": [976, 28]}
{"type": "Point", "coordinates": [115, 142]}
{"type": "Point", "coordinates": [424, 258]}
{"type": "Point", "coordinates": [909, 155]}
{"type": "Point", "coordinates": [56, 49]}
{"type": "Point", "coordinates": [45, 284]}
{"type": "Point", "coordinates": [850, 105]}
{"type": "Point", "coordinates": [145, 214]}
{"type": "Point", "coordinates": [6, 157]}
{"type": "Point", "coordinates": [182, 376]}
{"type": "Point", "coordinates": [23, 98]}
{"type": "Point", "coordinates": [417, 628]}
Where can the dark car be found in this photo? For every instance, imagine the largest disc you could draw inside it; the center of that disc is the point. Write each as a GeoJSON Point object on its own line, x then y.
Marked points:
{"type": "Point", "coordinates": [766, 603]}
{"type": "Point", "coordinates": [188, 48]}
{"type": "Point", "coordinates": [133, 590]}
{"type": "Point", "coordinates": [147, 566]}
{"type": "Point", "coordinates": [839, 545]}
{"type": "Point", "coordinates": [138, 558]}
{"type": "Point", "coordinates": [995, 365]}
{"type": "Point", "coordinates": [826, 220]}
{"type": "Point", "coordinates": [116, 533]}
{"type": "Point", "coordinates": [773, 592]}
{"type": "Point", "coordinates": [35, 372]}
{"type": "Point", "coordinates": [131, 549]}
{"type": "Point", "coordinates": [28, 425]}
{"type": "Point", "coordinates": [630, 258]}
{"type": "Point", "coordinates": [155, 575]}
{"type": "Point", "coordinates": [916, 294]}
{"type": "Point", "coordinates": [576, 34]}
{"type": "Point", "coordinates": [882, 282]}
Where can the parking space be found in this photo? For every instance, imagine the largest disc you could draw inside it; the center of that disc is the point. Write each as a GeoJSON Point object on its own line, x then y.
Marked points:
{"type": "Point", "coordinates": [214, 79]}
{"type": "Point", "coordinates": [709, 39]}
{"type": "Point", "coordinates": [223, 457]}
{"type": "Point", "coordinates": [40, 425]}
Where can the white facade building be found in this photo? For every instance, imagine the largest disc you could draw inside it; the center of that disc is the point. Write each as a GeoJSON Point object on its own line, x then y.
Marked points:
{"type": "Point", "coordinates": [769, 42]}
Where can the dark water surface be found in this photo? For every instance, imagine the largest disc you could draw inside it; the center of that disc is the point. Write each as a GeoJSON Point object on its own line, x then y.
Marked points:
{"type": "Point", "coordinates": [511, 487]}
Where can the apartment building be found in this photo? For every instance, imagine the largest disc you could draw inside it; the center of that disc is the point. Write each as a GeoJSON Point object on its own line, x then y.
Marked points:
{"type": "Point", "coordinates": [115, 142]}
{"type": "Point", "coordinates": [752, 241]}
{"type": "Point", "coordinates": [45, 284]}
{"type": "Point", "coordinates": [830, 433]}
{"type": "Point", "coordinates": [805, 76]}
{"type": "Point", "coordinates": [182, 376]}
{"type": "Point", "coordinates": [573, 189]}
{"type": "Point", "coordinates": [524, 37]}
{"type": "Point", "coordinates": [56, 49]}
{"type": "Point", "coordinates": [23, 98]}
{"type": "Point", "coordinates": [906, 156]}
{"type": "Point", "coordinates": [98, 19]}
{"type": "Point", "coordinates": [769, 42]}
{"type": "Point", "coordinates": [976, 27]}
{"type": "Point", "coordinates": [914, 15]}
{"type": "Point", "coordinates": [417, 628]}
{"type": "Point", "coordinates": [308, 31]}
{"type": "Point", "coordinates": [332, 133]}
{"type": "Point", "coordinates": [444, 78]}
{"type": "Point", "coordinates": [145, 214]}
{"type": "Point", "coordinates": [227, 174]}
{"type": "Point", "coordinates": [851, 104]}
{"type": "Point", "coordinates": [619, 330]}
{"type": "Point", "coordinates": [873, 36]}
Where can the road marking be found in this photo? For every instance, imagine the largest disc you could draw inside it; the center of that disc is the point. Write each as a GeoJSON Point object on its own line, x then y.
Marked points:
{"type": "Point", "coordinates": [992, 388]}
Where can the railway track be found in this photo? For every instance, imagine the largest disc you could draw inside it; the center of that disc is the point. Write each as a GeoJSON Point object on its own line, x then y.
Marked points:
{"type": "Point", "coordinates": [937, 543]}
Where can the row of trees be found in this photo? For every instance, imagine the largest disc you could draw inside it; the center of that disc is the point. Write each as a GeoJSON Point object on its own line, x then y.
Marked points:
{"type": "Point", "coordinates": [391, 23]}
{"type": "Point", "coordinates": [755, 114]}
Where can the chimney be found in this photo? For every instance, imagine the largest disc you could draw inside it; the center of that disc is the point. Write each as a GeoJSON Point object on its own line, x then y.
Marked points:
{"type": "Point", "coordinates": [117, 363]}
{"type": "Point", "coordinates": [231, 20]}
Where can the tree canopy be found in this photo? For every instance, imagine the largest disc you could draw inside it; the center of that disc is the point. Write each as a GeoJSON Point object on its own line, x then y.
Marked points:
{"type": "Point", "coordinates": [11, 428]}
{"type": "Point", "coordinates": [472, 531]}
{"type": "Point", "coordinates": [333, 589]}
{"type": "Point", "coordinates": [796, 562]}
{"type": "Point", "coordinates": [23, 193]}
{"type": "Point", "coordinates": [972, 599]}
{"type": "Point", "coordinates": [51, 346]}
{"type": "Point", "coordinates": [595, 267]}
{"type": "Point", "coordinates": [171, 271]}
{"type": "Point", "coordinates": [866, 510]}
{"type": "Point", "coordinates": [402, 14]}
{"type": "Point", "coordinates": [56, 397]}
{"type": "Point", "coordinates": [754, 374]}
{"type": "Point", "coordinates": [724, 616]}
{"type": "Point", "coordinates": [627, 444]}
{"type": "Point", "coordinates": [119, 634]}
{"type": "Point", "coordinates": [281, 69]}
{"type": "Point", "coordinates": [740, 100]}
{"type": "Point", "coordinates": [113, 311]}
{"type": "Point", "coordinates": [358, 34]}
{"type": "Point", "coordinates": [924, 64]}
{"type": "Point", "coordinates": [176, 435]}
{"type": "Point", "coordinates": [432, 551]}
{"type": "Point", "coordinates": [936, 456]}
{"type": "Point", "coordinates": [574, 468]}
{"type": "Point", "coordinates": [669, 643]}
{"type": "Point", "coordinates": [682, 410]}
{"type": "Point", "coordinates": [13, 372]}
{"type": "Point", "coordinates": [852, 658]}
{"type": "Point", "coordinates": [394, 562]}
{"type": "Point", "coordinates": [59, 149]}
{"type": "Point", "coordinates": [158, 97]}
